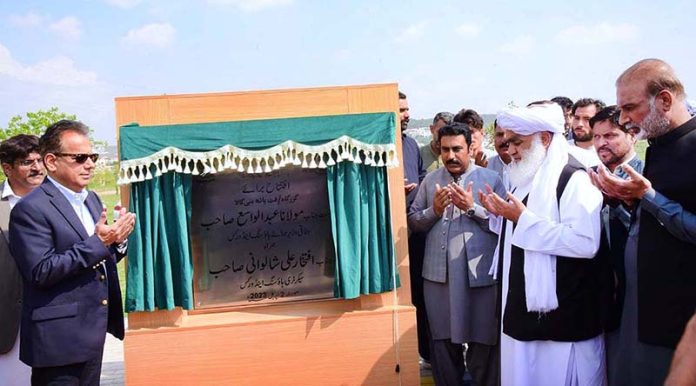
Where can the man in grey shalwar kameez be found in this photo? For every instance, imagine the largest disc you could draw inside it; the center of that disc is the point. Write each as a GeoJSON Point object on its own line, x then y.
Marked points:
{"type": "Point", "coordinates": [460, 295]}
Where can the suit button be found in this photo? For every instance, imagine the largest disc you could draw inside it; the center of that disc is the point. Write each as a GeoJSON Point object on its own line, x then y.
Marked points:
{"type": "Point", "coordinates": [443, 247]}
{"type": "Point", "coordinates": [105, 302]}
{"type": "Point", "coordinates": [102, 277]}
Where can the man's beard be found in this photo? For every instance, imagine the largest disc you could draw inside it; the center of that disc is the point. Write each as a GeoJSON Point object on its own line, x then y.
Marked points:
{"type": "Point", "coordinates": [583, 137]}
{"type": "Point", "coordinates": [653, 125]}
{"type": "Point", "coordinates": [523, 171]}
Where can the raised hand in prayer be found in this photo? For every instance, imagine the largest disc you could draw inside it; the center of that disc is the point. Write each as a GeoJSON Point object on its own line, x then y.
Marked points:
{"type": "Point", "coordinates": [480, 159]}
{"type": "Point", "coordinates": [628, 190]}
{"type": "Point", "coordinates": [511, 208]}
{"type": "Point", "coordinates": [443, 197]}
{"type": "Point", "coordinates": [483, 198]}
{"type": "Point", "coordinates": [462, 199]}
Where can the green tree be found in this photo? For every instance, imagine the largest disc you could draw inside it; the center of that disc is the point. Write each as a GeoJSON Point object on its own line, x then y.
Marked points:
{"type": "Point", "coordinates": [36, 123]}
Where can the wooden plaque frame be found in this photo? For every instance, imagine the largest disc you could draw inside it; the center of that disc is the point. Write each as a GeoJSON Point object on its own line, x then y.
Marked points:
{"type": "Point", "coordinates": [346, 342]}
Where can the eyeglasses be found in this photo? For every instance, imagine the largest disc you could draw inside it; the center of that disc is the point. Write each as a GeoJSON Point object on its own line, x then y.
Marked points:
{"type": "Point", "coordinates": [80, 158]}
{"type": "Point", "coordinates": [30, 162]}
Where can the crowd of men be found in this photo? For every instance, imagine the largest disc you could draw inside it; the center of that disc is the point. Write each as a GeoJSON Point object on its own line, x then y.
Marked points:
{"type": "Point", "coordinates": [563, 259]}
{"type": "Point", "coordinates": [560, 259]}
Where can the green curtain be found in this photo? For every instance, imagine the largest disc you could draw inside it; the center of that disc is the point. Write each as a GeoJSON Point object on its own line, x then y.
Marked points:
{"type": "Point", "coordinates": [361, 225]}
{"type": "Point", "coordinates": [373, 128]}
{"type": "Point", "coordinates": [160, 268]}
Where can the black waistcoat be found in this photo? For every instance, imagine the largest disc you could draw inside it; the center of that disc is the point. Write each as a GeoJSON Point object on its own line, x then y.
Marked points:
{"type": "Point", "coordinates": [577, 288]}
{"type": "Point", "coordinates": [666, 265]}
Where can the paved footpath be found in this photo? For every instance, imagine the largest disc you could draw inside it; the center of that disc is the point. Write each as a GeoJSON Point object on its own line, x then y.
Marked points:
{"type": "Point", "coordinates": [112, 362]}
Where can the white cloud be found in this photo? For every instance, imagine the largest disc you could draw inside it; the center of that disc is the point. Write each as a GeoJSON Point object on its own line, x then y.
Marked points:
{"type": "Point", "coordinates": [54, 71]}
{"type": "Point", "coordinates": [29, 20]}
{"type": "Point", "coordinates": [252, 5]}
{"type": "Point", "coordinates": [468, 30]}
{"type": "Point", "coordinates": [153, 35]}
{"type": "Point", "coordinates": [67, 27]}
{"type": "Point", "coordinates": [124, 4]}
{"type": "Point", "coordinates": [520, 45]}
{"type": "Point", "coordinates": [414, 31]}
{"type": "Point", "coordinates": [597, 34]}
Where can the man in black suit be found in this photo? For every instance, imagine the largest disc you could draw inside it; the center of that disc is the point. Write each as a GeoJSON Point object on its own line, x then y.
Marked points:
{"type": "Point", "coordinates": [67, 256]}
{"type": "Point", "coordinates": [24, 170]}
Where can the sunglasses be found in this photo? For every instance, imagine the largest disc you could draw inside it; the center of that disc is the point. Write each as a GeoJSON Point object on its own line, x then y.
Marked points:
{"type": "Point", "coordinates": [80, 158]}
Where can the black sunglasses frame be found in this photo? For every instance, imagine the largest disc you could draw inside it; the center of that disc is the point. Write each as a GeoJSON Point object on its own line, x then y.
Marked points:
{"type": "Point", "coordinates": [80, 158]}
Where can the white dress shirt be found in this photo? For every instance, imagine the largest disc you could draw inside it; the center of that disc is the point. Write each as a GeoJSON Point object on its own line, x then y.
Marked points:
{"type": "Point", "coordinates": [77, 201]}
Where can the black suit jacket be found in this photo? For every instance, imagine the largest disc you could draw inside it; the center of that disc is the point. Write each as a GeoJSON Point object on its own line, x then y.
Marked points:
{"type": "Point", "coordinates": [10, 284]}
{"type": "Point", "coordinates": [70, 298]}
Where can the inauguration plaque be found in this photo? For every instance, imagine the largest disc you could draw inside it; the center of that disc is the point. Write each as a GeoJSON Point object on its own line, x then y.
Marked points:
{"type": "Point", "coordinates": [261, 238]}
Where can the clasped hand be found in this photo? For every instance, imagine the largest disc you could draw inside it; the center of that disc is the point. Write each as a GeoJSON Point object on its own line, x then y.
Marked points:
{"type": "Point", "coordinates": [452, 194]}
{"type": "Point", "coordinates": [628, 190]}
{"type": "Point", "coordinates": [117, 232]}
{"type": "Point", "coordinates": [511, 208]}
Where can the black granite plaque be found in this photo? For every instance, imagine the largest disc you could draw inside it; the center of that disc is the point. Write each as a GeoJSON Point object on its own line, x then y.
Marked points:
{"type": "Point", "coordinates": [261, 238]}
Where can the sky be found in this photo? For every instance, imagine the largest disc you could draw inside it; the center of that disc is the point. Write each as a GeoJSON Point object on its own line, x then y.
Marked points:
{"type": "Point", "coordinates": [79, 55]}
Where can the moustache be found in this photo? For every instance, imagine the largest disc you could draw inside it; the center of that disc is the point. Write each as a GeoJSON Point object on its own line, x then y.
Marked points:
{"type": "Point", "coordinates": [452, 162]}
{"type": "Point", "coordinates": [36, 173]}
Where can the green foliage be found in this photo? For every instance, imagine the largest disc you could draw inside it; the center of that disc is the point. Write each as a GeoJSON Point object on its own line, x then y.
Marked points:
{"type": "Point", "coordinates": [36, 122]}
{"type": "Point", "coordinates": [641, 147]}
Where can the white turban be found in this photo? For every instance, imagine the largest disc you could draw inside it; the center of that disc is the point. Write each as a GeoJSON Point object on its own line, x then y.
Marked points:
{"type": "Point", "coordinates": [533, 119]}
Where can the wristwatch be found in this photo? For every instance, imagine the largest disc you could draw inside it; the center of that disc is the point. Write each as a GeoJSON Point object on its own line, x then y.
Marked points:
{"type": "Point", "coordinates": [471, 211]}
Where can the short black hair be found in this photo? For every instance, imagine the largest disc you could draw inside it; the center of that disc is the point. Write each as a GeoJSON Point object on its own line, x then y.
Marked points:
{"type": "Point", "coordinates": [584, 102]}
{"type": "Point", "coordinates": [565, 102]}
{"type": "Point", "coordinates": [50, 140]}
{"type": "Point", "coordinates": [18, 147]}
{"type": "Point", "coordinates": [456, 128]}
{"type": "Point", "coordinates": [609, 113]}
{"type": "Point", "coordinates": [469, 117]}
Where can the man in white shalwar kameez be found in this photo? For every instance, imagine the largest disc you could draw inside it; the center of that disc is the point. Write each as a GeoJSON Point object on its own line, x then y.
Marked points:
{"type": "Point", "coordinates": [551, 330]}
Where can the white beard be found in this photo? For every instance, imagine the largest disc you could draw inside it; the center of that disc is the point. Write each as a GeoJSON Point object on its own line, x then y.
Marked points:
{"type": "Point", "coordinates": [523, 172]}
{"type": "Point", "coordinates": [653, 125]}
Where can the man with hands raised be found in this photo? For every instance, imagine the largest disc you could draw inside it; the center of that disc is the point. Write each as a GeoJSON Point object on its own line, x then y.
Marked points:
{"type": "Point", "coordinates": [659, 254]}
{"type": "Point", "coordinates": [460, 294]}
{"type": "Point", "coordinates": [67, 254]}
{"type": "Point", "coordinates": [549, 230]}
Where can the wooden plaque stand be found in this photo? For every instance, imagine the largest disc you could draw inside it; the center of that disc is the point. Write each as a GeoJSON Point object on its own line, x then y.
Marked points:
{"type": "Point", "coordinates": [328, 342]}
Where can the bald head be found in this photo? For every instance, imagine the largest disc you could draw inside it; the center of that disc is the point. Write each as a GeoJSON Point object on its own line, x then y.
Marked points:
{"type": "Point", "coordinates": [656, 75]}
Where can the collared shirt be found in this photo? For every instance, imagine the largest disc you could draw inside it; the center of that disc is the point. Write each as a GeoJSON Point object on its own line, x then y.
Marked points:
{"type": "Point", "coordinates": [587, 157]}
{"type": "Point", "coordinates": [77, 201]}
{"type": "Point", "coordinates": [9, 194]}
{"type": "Point", "coordinates": [431, 160]}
